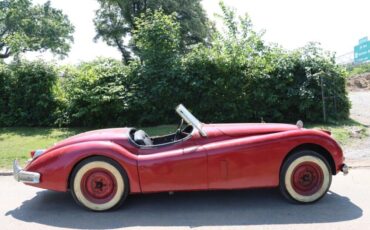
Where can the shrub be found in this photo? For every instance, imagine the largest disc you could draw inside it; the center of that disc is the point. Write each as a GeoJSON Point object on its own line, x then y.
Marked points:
{"type": "Point", "coordinates": [214, 85]}
{"type": "Point", "coordinates": [29, 95]}
{"type": "Point", "coordinates": [234, 78]}
{"type": "Point", "coordinates": [5, 90]}
{"type": "Point", "coordinates": [95, 94]}
{"type": "Point", "coordinates": [292, 89]}
{"type": "Point", "coordinates": [241, 79]}
{"type": "Point", "coordinates": [156, 80]}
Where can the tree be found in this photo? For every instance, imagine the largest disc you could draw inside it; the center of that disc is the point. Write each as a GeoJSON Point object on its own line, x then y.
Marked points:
{"type": "Point", "coordinates": [115, 21]}
{"type": "Point", "coordinates": [217, 79]}
{"type": "Point", "coordinates": [27, 27]}
{"type": "Point", "coordinates": [157, 37]}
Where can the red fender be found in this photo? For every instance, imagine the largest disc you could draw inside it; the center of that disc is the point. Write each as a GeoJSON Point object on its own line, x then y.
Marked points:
{"type": "Point", "coordinates": [56, 165]}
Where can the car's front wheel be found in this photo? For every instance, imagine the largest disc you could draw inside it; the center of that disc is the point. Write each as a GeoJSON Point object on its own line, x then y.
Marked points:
{"type": "Point", "coordinates": [99, 184]}
{"type": "Point", "coordinates": [305, 177]}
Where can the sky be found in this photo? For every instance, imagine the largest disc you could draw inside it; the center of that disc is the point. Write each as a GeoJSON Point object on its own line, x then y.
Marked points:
{"type": "Point", "coordinates": [81, 13]}
{"type": "Point", "coordinates": [336, 24]}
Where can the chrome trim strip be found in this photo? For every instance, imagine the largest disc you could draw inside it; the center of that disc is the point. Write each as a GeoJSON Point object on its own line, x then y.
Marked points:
{"type": "Point", "coordinates": [24, 176]}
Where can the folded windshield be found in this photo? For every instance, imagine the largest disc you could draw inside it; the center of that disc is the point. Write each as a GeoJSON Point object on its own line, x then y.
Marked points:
{"type": "Point", "coordinates": [190, 119]}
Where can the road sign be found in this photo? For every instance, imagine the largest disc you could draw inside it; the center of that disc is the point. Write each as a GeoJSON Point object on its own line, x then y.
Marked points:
{"type": "Point", "coordinates": [362, 51]}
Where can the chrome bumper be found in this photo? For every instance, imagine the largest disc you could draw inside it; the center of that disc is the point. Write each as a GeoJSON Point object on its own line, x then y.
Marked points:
{"type": "Point", "coordinates": [24, 176]}
{"type": "Point", "coordinates": [345, 169]}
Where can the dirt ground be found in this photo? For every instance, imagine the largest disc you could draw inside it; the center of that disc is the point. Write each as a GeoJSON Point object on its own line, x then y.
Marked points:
{"type": "Point", "coordinates": [359, 82]}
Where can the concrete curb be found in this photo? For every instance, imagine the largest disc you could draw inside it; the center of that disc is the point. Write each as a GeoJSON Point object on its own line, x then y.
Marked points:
{"type": "Point", "coordinates": [359, 166]}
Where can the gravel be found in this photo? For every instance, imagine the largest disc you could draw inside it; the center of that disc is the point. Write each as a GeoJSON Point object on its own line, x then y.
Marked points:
{"type": "Point", "coordinates": [359, 150]}
{"type": "Point", "coordinates": [360, 107]}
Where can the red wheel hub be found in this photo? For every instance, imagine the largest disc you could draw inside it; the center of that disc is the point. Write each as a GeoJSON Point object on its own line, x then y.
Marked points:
{"type": "Point", "coordinates": [98, 185]}
{"type": "Point", "coordinates": [307, 178]}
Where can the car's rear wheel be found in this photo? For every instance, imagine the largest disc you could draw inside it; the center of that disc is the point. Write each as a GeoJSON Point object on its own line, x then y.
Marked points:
{"type": "Point", "coordinates": [305, 177]}
{"type": "Point", "coordinates": [99, 184]}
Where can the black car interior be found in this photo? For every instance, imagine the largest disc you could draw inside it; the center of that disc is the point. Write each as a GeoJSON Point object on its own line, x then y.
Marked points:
{"type": "Point", "coordinates": [141, 138]}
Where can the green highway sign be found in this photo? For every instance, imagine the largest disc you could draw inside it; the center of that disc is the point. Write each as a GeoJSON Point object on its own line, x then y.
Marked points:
{"type": "Point", "coordinates": [362, 51]}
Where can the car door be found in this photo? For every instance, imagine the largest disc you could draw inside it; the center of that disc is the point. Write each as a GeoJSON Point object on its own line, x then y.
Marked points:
{"type": "Point", "coordinates": [243, 163]}
{"type": "Point", "coordinates": [174, 167]}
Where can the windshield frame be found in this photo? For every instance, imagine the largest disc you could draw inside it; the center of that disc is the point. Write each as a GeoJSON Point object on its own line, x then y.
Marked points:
{"type": "Point", "coordinates": [190, 119]}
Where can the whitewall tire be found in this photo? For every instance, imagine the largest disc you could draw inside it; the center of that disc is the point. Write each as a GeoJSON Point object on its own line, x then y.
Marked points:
{"type": "Point", "coordinates": [305, 177]}
{"type": "Point", "coordinates": [99, 184]}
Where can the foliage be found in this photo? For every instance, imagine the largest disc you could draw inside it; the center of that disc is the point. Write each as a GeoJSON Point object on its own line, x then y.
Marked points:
{"type": "Point", "coordinates": [358, 69]}
{"type": "Point", "coordinates": [29, 98]}
{"type": "Point", "coordinates": [292, 90]}
{"type": "Point", "coordinates": [240, 78]}
{"type": "Point", "coordinates": [157, 79]}
{"type": "Point", "coordinates": [237, 77]}
{"type": "Point", "coordinates": [95, 94]}
{"type": "Point", "coordinates": [157, 37]}
{"type": "Point", "coordinates": [217, 79]}
{"type": "Point", "coordinates": [5, 91]}
{"type": "Point", "coordinates": [115, 21]}
{"type": "Point", "coordinates": [27, 27]}
{"type": "Point", "coordinates": [112, 28]}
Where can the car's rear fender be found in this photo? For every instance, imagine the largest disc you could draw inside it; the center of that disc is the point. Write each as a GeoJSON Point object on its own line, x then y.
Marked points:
{"type": "Point", "coordinates": [256, 161]}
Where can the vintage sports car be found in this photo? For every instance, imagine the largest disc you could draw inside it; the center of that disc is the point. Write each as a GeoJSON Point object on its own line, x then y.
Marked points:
{"type": "Point", "coordinates": [101, 168]}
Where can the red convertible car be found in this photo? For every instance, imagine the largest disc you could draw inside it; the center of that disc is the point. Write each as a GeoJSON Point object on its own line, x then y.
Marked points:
{"type": "Point", "coordinates": [101, 168]}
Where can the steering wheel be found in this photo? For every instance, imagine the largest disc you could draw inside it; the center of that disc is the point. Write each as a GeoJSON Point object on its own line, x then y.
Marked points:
{"type": "Point", "coordinates": [178, 130]}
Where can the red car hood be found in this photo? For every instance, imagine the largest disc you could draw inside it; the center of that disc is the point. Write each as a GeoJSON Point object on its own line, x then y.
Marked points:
{"type": "Point", "coordinates": [116, 134]}
{"type": "Point", "coordinates": [247, 129]}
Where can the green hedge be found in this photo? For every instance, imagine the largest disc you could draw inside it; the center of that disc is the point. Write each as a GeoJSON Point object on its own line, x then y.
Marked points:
{"type": "Point", "coordinates": [292, 89]}
{"type": "Point", "coordinates": [96, 94]}
{"type": "Point", "coordinates": [234, 78]}
{"type": "Point", "coordinates": [288, 87]}
{"type": "Point", "coordinates": [27, 97]}
{"type": "Point", "coordinates": [5, 89]}
{"type": "Point", "coordinates": [107, 93]}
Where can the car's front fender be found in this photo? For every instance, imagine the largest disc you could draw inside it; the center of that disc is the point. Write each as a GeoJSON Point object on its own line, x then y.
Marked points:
{"type": "Point", "coordinates": [325, 141]}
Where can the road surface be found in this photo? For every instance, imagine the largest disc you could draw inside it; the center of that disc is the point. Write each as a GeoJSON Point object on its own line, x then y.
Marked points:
{"type": "Point", "coordinates": [346, 206]}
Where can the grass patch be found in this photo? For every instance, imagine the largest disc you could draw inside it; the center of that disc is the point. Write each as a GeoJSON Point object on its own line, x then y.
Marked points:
{"type": "Point", "coordinates": [343, 131]}
{"type": "Point", "coordinates": [19, 142]}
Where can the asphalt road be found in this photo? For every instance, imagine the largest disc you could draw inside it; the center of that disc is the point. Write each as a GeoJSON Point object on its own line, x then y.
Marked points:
{"type": "Point", "coordinates": [346, 206]}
